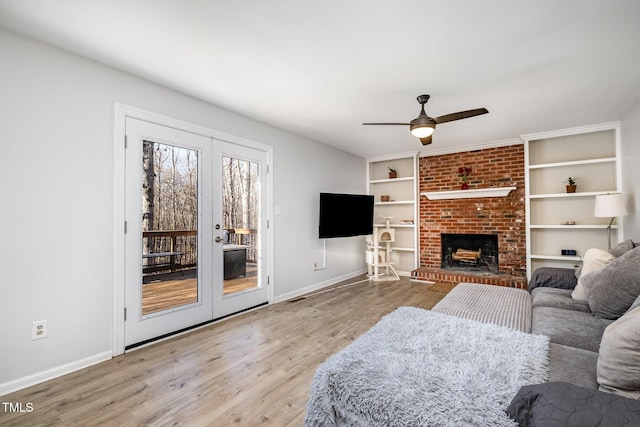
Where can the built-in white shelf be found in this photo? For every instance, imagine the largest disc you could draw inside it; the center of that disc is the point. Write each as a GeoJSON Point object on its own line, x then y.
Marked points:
{"type": "Point", "coordinates": [403, 192]}
{"type": "Point", "coordinates": [401, 249]}
{"type": "Point", "coordinates": [395, 202]}
{"type": "Point", "coordinates": [573, 163]}
{"type": "Point", "coordinates": [396, 225]}
{"type": "Point", "coordinates": [590, 154]}
{"type": "Point", "coordinates": [563, 195]}
{"type": "Point", "coordinates": [383, 181]}
{"type": "Point", "coordinates": [569, 227]}
{"type": "Point", "coordinates": [395, 248]}
{"type": "Point", "coordinates": [571, 258]}
{"type": "Point", "coordinates": [469, 194]}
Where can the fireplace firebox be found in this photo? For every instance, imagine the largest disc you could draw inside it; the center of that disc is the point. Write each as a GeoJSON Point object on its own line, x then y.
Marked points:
{"type": "Point", "coordinates": [470, 252]}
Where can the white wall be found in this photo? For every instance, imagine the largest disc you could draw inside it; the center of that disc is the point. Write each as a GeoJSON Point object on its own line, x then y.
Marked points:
{"type": "Point", "coordinates": [630, 134]}
{"type": "Point", "coordinates": [57, 190]}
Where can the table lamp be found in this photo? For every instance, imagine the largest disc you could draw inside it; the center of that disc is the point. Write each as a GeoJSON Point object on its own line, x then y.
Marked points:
{"type": "Point", "coordinates": [609, 205]}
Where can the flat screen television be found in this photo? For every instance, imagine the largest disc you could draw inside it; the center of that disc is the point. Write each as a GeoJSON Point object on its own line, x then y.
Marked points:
{"type": "Point", "coordinates": [345, 215]}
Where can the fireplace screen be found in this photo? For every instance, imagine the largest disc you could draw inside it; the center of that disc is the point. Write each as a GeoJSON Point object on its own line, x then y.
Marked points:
{"type": "Point", "coordinates": [470, 252]}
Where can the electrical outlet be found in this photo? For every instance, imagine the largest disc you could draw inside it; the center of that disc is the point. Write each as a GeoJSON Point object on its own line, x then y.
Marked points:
{"type": "Point", "coordinates": [315, 266]}
{"type": "Point", "coordinates": [39, 330]}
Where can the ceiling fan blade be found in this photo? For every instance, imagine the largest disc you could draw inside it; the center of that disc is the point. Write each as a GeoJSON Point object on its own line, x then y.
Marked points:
{"type": "Point", "coordinates": [405, 124]}
{"type": "Point", "coordinates": [427, 140]}
{"type": "Point", "coordinates": [460, 115]}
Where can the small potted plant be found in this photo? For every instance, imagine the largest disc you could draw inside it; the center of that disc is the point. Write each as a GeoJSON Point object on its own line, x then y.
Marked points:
{"type": "Point", "coordinates": [393, 173]}
{"type": "Point", "coordinates": [464, 171]}
{"type": "Point", "coordinates": [571, 184]}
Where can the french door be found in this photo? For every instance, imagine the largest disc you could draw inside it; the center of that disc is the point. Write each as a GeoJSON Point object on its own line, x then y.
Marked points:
{"type": "Point", "coordinates": [242, 177]}
{"type": "Point", "coordinates": [195, 230]}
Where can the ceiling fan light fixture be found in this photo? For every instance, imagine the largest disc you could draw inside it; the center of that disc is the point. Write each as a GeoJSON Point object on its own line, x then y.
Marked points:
{"type": "Point", "coordinates": [422, 130]}
{"type": "Point", "coordinates": [422, 127]}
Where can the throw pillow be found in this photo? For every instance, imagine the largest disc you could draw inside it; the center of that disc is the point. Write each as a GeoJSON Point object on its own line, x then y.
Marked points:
{"type": "Point", "coordinates": [619, 357]}
{"type": "Point", "coordinates": [613, 288]}
{"type": "Point", "coordinates": [593, 259]}
{"type": "Point", "coordinates": [622, 248]}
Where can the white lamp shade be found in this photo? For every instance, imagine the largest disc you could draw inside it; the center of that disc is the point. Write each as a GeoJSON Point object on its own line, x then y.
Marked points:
{"type": "Point", "coordinates": [609, 205]}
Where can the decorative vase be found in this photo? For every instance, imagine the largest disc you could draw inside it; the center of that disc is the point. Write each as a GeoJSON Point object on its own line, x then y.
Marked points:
{"type": "Point", "coordinates": [465, 186]}
{"type": "Point", "coordinates": [571, 188]}
{"type": "Point", "coordinates": [393, 174]}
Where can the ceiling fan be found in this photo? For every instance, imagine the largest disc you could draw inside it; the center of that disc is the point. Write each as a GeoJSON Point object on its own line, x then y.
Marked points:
{"type": "Point", "coordinates": [422, 127]}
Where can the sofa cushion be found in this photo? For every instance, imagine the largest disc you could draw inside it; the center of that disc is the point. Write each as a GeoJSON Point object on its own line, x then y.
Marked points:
{"type": "Point", "coordinates": [622, 248]}
{"type": "Point", "coordinates": [573, 365]}
{"type": "Point", "coordinates": [613, 288]}
{"type": "Point", "coordinates": [558, 298]}
{"type": "Point", "coordinates": [618, 367]}
{"type": "Point", "coordinates": [593, 259]}
{"type": "Point", "coordinates": [568, 327]}
{"type": "Point", "coordinates": [552, 277]}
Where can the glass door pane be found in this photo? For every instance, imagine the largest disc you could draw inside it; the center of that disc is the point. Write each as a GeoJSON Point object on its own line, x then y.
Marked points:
{"type": "Point", "coordinates": [241, 220]}
{"type": "Point", "coordinates": [169, 227]}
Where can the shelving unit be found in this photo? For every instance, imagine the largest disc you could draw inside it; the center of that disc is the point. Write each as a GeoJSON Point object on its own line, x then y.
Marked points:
{"type": "Point", "coordinates": [402, 205]}
{"type": "Point", "coordinates": [591, 154]}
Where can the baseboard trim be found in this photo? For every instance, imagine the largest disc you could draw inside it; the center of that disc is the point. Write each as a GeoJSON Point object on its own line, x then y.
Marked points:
{"type": "Point", "coordinates": [317, 286]}
{"type": "Point", "coordinates": [37, 378]}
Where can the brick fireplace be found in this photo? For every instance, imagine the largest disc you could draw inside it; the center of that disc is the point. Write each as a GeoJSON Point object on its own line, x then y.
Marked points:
{"type": "Point", "coordinates": [503, 217]}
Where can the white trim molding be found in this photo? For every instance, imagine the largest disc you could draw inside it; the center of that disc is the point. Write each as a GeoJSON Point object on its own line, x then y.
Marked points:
{"type": "Point", "coordinates": [473, 147]}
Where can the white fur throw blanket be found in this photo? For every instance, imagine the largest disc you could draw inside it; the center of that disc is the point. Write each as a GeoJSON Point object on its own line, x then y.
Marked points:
{"type": "Point", "coordinates": [420, 368]}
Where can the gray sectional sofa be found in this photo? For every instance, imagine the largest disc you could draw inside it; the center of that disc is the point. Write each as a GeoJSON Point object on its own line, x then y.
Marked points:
{"type": "Point", "coordinates": [576, 326]}
{"type": "Point", "coordinates": [592, 321]}
{"type": "Point", "coordinates": [592, 317]}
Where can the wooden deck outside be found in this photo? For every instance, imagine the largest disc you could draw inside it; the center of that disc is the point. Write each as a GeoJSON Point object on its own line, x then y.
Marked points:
{"type": "Point", "coordinates": [165, 291]}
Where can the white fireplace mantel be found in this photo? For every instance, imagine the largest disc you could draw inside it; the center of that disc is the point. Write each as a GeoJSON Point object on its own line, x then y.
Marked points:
{"type": "Point", "coordinates": [469, 194]}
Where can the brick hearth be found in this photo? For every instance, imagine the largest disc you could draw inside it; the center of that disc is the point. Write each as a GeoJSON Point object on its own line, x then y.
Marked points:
{"type": "Point", "coordinates": [454, 277]}
{"type": "Point", "coordinates": [504, 216]}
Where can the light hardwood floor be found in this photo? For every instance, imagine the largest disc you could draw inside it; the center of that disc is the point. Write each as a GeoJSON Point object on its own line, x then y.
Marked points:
{"type": "Point", "coordinates": [252, 369]}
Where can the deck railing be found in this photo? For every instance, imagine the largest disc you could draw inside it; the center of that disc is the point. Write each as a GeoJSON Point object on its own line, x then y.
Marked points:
{"type": "Point", "coordinates": [164, 250]}
{"type": "Point", "coordinates": [169, 250]}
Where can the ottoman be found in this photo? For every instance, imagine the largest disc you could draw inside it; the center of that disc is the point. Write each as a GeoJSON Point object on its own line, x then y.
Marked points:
{"type": "Point", "coordinates": [499, 305]}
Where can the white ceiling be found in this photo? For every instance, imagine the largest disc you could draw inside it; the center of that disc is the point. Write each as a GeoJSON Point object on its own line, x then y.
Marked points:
{"type": "Point", "coordinates": [321, 68]}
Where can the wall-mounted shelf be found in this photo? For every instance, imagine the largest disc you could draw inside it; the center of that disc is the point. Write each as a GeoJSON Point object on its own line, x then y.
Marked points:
{"type": "Point", "coordinates": [469, 194]}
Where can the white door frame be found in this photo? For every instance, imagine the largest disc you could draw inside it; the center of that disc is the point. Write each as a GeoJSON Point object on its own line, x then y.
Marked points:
{"type": "Point", "coordinates": [121, 112]}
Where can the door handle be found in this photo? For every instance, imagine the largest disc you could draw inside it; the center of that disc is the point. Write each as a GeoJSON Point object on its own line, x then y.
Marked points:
{"type": "Point", "coordinates": [218, 239]}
